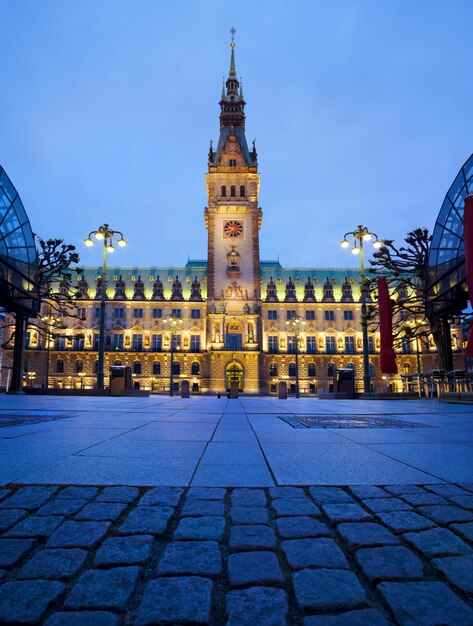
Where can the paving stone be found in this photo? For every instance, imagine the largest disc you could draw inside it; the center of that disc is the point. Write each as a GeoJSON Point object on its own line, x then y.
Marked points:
{"type": "Point", "coordinates": [363, 617]}
{"type": "Point", "coordinates": [210, 527]}
{"type": "Point", "coordinates": [465, 530]}
{"type": "Point", "coordinates": [402, 521]}
{"type": "Point", "coordinates": [328, 590]}
{"type": "Point", "coordinates": [83, 618]}
{"type": "Point", "coordinates": [36, 526]}
{"type": "Point", "coordinates": [423, 499]}
{"type": "Point", "coordinates": [286, 492]}
{"type": "Point", "coordinates": [161, 496]}
{"type": "Point", "coordinates": [299, 527]}
{"type": "Point", "coordinates": [364, 492]}
{"type": "Point", "coordinates": [102, 511]}
{"type": "Point", "coordinates": [249, 515]}
{"type": "Point", "coordinates": [177, 600]}
{"type": "Point", "coordinates": [4, 493]}
{"type": "Point", "coordinates": [61, 506]}
{"type": "Point", "coordinates": [425, 604]}
{"type": "Point", "coordinates": [55, 564]}
{"type": "Point", "coordinates": [26, 601]}
{"type": "Point", "coordinates": [78, 493]}
{"type": "Point", "coordinates": [398, 490]}
{"type": "Point", "coordinates": [386, 505]}
{"type": "Point", "coordinates": [78, 535]}
{"type": "Point", "coordinates": [366, 534]}
{"type": "Point", "coordinates": [103, 589]}
{"type": "Point", "coordinates": [193, 508]}
{"type": "Point", "coordinates": [302, 553]}
{"type": "Point", "coordinates": [446, 514]}
{"type": "Point", "coordinates": [9, 517]}
{"type": "Point", "coordinates": [248, 497]}
{"type": "Point", "coordinates": [329, 495]}
{"type": "Point", "coordinates": [295, 506]}
{"type": "Point", "coordinates": [261, 606]}
{"type": "Point", "coordinates": [131, 550]}
{"type": "Point", "coordinates": [346, 513]}
{"type": "Point", "coordinates": [389, 563]}
{"type": "Point", "coordinates": [437, 542]}
{"type": "Point", "coordinates": [464, 501]}
{"type": "Point", "coordinates": [254, 568]}
{"type": "Point", "coordinates": [252, 537]}
{"type": "Point", "coordinates": [28, 498]}
{"type": "Point", "coordinates": [13, 550]}
{"type": "Point", "coordinates": [118, 494]}
{"type": "Point", "coordinates": [147, 520]}
{"type": "Point", "coordinates": [447, 490]}
{"type": "Point", "coordinates": [200, 558]}
{"type": "Point", "coordinates": [206, 493]}
{"type": "Point", "coordinates": [458, 570]}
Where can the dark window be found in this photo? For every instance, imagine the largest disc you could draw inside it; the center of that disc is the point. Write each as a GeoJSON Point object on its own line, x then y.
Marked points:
{"type": "Point", "coordinates": [96, 367]}
{"type": "Point", "coordinates": [232, 162]}
{"type": "Point", "coordinates": [60, 343]}
{"type": "Point", "coordinates": [272, 315]}
{"type": "Point", "coordinates": [176, 313]}
{"type": "Point", "coordinates": [79, 343]}
{"type": "Point", "coordinates": [176, 341]}
{"type": "Point", "coordinates": [329, 316]}
{"type": "Point", "coordinates": [195, 343]}
{"type": "Point", "coordinates": [97, 312]}
{"type": "Point", "coordinates": [79, 367]}
{"type": "Point", "coordinates": [310, 315]}
{"type": "Point", "coordinates": [156, 368]}
{"type": "Point", "coordinates": [120, 312]}
{"type": "Point", "coordinates": [117, 362]}
{"type": "Point", "coordinates": [156, 343]}
{"type": "Point", "coordinates": [195, 368]}
{"type": "Point", "coordinates": [137, 342]}
{"type": "Point", "coordinates": [273, 343]}
{"type": "Point", "coordinates": [232, 191]}
{"type": "Point", "coordinates": [27, 339]}
{"type": "Point", "coordinates": [291, 344]}
{"type": "Point", "coordinates": [117, 341]}
{"type": "Point", "coordinates": [137, 312]}
{"type": "Point", "coordinates": [273, 369]}
{"type": "Point", "coordinates": [234, 341]}
{"type": "Point", "coordinates": [347, 315]}
{"type": "Point", "coordinates": [137, 367]}
{"type": "Point", "coordinates": [60, 367]}
{"type": "Point", "coordinates": [96, 341]}
{"type": "Point", "coordinates": [330, 345]}
{"type": "Point", "coordinates": [311, 371]}
{"type": "Point", "coordinates": [350, 366]}
{"type": "Point", "coordinates": [350, 345]}
{"type": "Point", "coordinates": [290, 315]}
{"type": "Point", "coordinates": [223, 191]}
{"type": "Point", "coordinates": [242, 191]}
{"type": "Point", "coordinates": [81, 313]}
{"type": "Point", "coordinates": [406, 345]}
{"type": "Point", "coordinates": [292, 369]}
{"type": "Point", "coordinates": [176, 368]}
{"type": "Point", "coordinates": [157, 313]}
{"type": "Point", "coordinates": [195, 314]}
{"type": "Point", "coordinates": [311, 345]}
{"type": "Point", "coordinates": [330, 369]}
{"type": "Point", "coordinates": [370, 345]}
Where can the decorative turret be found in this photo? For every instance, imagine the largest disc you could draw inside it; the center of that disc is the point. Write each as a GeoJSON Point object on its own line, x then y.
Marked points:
{"type": "Point", "coordinates": [347, 291]}
{"type": "Point", "coordinates": [139, 290]}
{"type": "Point", "coordinates": [290, 291]}
{"type": "Point", "coordinates": [120, 289]}
{"type": "Point", "coordinates": [271, 291]}
{"type": "Point", "coordinates": [309, 295]}
{"type": "Point", "coordinates": [328, 291]}
{"type": "Point", "coordinates": [196, 292]}
{"type": "Point", "coordinates": [158, 291]}
{"type": "Point", "coordinates": [82, 288]}
{"type": "Point", "coordinates": [176, 290]}
{"type": "Point", "coordinates": [98, 289]}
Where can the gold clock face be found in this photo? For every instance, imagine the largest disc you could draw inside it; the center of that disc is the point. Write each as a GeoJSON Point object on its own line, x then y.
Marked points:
{"type": "Point", "coordinates": [233, 229]}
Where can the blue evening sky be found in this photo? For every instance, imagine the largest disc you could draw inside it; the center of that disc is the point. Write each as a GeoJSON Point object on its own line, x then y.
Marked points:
{"type": "Point", "coordinates": [361, 110]}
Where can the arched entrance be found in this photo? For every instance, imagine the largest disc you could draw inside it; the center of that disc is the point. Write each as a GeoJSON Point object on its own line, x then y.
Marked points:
{"type": "Point", "coordinates": [234, 371]}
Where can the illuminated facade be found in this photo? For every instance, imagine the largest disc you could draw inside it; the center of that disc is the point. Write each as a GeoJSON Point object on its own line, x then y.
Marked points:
{"type": "Point", "coordinates": [233, 306]}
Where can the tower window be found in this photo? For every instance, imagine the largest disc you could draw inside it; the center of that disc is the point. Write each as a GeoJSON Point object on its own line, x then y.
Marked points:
{"type": "Point", "coordinates": [232, 162]}
{"type": "Point", "coordinates": [223, 191]}
{"type": "Point", "coordinates": [242, 191]}
{"type": "Point", "coordinates": [233, 191]}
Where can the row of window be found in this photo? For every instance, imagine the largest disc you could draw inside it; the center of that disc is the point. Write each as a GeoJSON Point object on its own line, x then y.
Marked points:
{"type": "Point", "coordinates": [176, 367]}
{"type": "Point", "coordinates": [311, 344]}
{"type": "Point", "coordinates": [117, 341]}
{"type": "Point", "coordinates": [311, 369]}
{"type": "Point", "coordinates": [223, 191]}
{"type": "Point", "coordinates": [119, 312]}
{"type": "Point", "coordinates": [309, 315]}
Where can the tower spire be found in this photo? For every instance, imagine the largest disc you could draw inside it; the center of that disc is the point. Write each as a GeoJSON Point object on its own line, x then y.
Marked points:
{"type": "Point", "coordinates": [232, 73]}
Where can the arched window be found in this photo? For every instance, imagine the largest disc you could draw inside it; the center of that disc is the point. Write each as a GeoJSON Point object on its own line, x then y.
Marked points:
{"type": "Point", "coordinates": [350, 366]}
{"type": "Point", "coordinates": [292, 369]}
{"type": "Point", "coordinates": [407, 369]}
{"type": "Point", "coordinates": [233, 191]}
{"type": "Point", "coordinates": [137, 367]}
{"type": "Point", "coordinates": [79, 366]}
{"type": "Point", "coordinates": [330, 369]}
{"type": "Point", "coordinates": [60, 367]}
{"type": "Point", "coordinates": [311, 370]}
{"type": "Point", "coordinates": [156, 368]}
{"type": "Point", "coordinates": [273, 369]}
{"type": "Point", "coordinates": [223, 191]}
{"type": "Point", "coordinates": [242, 191]}
{"type": "Point", "coordinates": [371, 370]}
{"type": "Point", "coordinates": [176, 368]}
{"type": "Point", "coordinates": [195, 368]}
{"type": "Point", "coordinates": [96, 367]}
{"type": "Point", "coordinates": [117, 362]}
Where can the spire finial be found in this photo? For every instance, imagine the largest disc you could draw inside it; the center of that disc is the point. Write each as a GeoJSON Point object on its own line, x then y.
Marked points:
{"type": "Point", "coordinates": [232, 73]}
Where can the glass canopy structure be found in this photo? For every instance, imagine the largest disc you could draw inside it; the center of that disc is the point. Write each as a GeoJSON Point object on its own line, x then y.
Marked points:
{"type": "Point", "coordinates": [18, 262]}
{"type": "Point", "coordinates": [447, 290]}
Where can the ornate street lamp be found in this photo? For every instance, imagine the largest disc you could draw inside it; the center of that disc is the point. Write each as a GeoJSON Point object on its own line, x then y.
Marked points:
{"type": "Point", "coordinates": [361, 236]}
{"type": "Point", "coordinates": [103, 233]}
{"type": "Point", "coordinates": [173, 322]}
{"type": "Point", "coordinates": [295, 323]}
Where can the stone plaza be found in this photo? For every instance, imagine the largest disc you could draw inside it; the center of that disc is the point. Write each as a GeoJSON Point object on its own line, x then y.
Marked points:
{"type": "Point", "coordinates": [252, 511]}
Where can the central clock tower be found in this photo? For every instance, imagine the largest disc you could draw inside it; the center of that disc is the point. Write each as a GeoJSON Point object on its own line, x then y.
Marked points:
{"type": "Point", "coordinates": [233, 219]}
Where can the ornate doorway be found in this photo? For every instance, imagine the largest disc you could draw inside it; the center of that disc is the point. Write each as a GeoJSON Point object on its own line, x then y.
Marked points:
{"type": "Point", "coordinates": [234, 371]}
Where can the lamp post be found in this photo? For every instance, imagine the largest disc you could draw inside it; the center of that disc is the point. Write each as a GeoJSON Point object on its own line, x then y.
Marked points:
{"type": "Point", "coordinates": [51, 321]}
{"type": "Point", "coordinates": [295, 324]}
{"type": "Point", "coordinates": [103, 233]}
{"type": "Point", "coordinates": [173, 322]}
{"type": "Point", "coordinates": [361, 235]}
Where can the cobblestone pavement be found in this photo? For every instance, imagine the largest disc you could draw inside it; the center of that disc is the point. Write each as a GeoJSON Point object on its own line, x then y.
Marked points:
{"type": "Point", "coordinates": [356, 555]}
